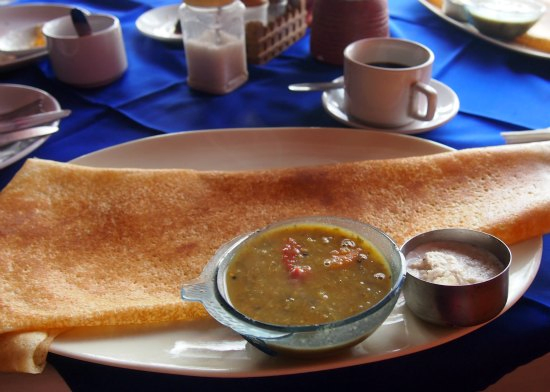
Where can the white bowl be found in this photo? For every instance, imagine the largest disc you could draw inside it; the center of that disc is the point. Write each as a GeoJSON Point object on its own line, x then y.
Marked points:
{"type": "Point", "coordinates": [504, 19]}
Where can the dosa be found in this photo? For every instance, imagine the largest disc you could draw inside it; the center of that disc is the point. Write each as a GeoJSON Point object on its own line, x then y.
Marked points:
{"type": "Point", "coordinates": [83, 246]}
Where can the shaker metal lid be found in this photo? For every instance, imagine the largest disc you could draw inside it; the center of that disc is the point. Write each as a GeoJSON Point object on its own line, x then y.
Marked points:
{"type": "Point", "coordinates": [208, 3]}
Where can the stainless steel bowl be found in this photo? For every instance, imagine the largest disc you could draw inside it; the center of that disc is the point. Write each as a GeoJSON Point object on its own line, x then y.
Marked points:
{"type": "Point", "coordinates": [458, 305]}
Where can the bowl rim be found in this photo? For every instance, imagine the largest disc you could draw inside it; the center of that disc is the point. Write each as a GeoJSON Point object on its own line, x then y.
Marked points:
{"type": "Point", "coordinates": [537, 6]}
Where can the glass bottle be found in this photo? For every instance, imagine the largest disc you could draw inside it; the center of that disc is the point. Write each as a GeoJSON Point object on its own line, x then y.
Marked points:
{"type": "Point", "coordinates": [215, 44]}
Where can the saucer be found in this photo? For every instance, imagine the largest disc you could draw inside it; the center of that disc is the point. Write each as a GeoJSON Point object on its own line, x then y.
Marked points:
{"type": "Point", "coordinates": [22, 18]}
{"type": "Point", "coordinates": [14, 96]}
{"type": "Point", "coordinates": [159, 23]}
{"type": "Point", "coordinates": [447, 107]}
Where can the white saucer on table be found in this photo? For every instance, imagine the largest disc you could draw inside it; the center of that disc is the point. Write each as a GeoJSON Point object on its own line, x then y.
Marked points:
{"type": "Point", "coordinates": [447, 107]}
{"type": "Point", "coordinates": [16, 21]}
{"type": "Point", "coordinates": [160, 23]}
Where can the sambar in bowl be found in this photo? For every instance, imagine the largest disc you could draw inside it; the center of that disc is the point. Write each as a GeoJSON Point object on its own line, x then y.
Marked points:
{"type": "Point", "coordinates": [303, 287]}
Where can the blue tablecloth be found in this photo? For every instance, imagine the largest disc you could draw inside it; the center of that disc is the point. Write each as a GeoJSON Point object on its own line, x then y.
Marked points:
{"type": "Point", "coordinates": [499, 90]}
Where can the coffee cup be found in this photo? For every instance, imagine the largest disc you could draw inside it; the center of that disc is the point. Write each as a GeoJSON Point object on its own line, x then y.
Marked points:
{"type": "Point", "coordinates": [91, 60]}
{"type": "Point", "coordinates": [387, 82]}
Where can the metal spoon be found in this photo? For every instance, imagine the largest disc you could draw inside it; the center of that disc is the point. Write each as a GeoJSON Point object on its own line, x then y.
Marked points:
{"type": "Point", "coordinates": [316, 86]}
{"type": "Point", "coordinates": [23, 134]}
{"type": "Point", "coordinates": [32, 107]}
{"type": "Point", "coordinates": [32, 120]}
{"type": "Point", "coordinates": [80, 22]}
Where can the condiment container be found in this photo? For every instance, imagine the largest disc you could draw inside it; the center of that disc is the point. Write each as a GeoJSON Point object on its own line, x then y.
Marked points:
{"type": "Point", "coordinates": [504, 19]}
{"type": "Point", "coordinates": [459, 305]}
{"type": "Point", "coordinates": [210, 288]}
{"type": "Point", "coordinates": [214, 41]}
{"type": "Point", "coordinates": [337, 23]}
{"type": "Point", "coordinates": [256, 11]}
{"type": "Point", "coordinates": [87, 61]}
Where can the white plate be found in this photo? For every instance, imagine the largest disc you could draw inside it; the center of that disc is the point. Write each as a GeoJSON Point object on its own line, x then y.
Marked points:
{"type": "Point", "coordinates": [447, 107]}
{"type": "Point", "coordinates": [207, 349]}
{"type": "Point", "coordinates": [21, 17]}
{"type": "Point", "coordinates": [23, 41]}
{"type": "Point", "coordinates": [159, 23]}
{"type": "Point", "coordinates": [472, 30]}
{"type": "Point", "coordinates": [13, 96]}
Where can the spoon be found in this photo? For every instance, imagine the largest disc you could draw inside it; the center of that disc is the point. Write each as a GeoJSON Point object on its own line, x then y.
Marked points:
{"type": "Point", "coordinates": [80, 22]}
{"type": "Point", "coordinates": [32, 120]}
{"type": "Point", "coordinates": [23, 134]}
{"type": "Point", "coordinates": [316, 86]}
{"type": "Point", "coordinates": [32, 107]}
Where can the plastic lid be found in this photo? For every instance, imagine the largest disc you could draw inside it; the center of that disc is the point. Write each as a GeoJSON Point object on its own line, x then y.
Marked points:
{"type": "Point", "coordinates": [208, 3]}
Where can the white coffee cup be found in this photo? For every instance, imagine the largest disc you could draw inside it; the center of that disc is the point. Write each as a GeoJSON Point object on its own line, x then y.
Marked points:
{"type": "Point", "coordinates": [386, 82]}
{"type": "Point", "coordinates": [91, 60]}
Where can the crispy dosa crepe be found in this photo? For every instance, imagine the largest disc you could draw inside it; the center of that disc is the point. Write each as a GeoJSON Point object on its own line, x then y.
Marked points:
{"type": "Point", "coordinates": [25, 351]}
{"type": "Point", "coordinates": [93, 246]}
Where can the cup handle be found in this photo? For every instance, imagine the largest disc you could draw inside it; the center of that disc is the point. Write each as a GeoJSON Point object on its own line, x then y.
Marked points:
{"type": "Point", "coordinates": [431, 99]}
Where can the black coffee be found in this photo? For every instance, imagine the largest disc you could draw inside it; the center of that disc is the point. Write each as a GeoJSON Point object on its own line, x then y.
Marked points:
{"type": "Point", "coordinates": [383, 64]}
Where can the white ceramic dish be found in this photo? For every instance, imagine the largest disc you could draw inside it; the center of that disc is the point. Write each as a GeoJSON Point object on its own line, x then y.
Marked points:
{"type": "Point", "coordinates": [159, 23]}
{"type": "Point", "coordinates": [13, 96]}
{"type": "Point", "coordinates": [23, 41]}
{"type": "Point", "coordinates": [447, 107]}
{"type": "Point", "coordinates": [472, 30]}
{"type": "Point", "coordinates": [208, 349]}
{"type": "Point", "coordinates": [22, 17]}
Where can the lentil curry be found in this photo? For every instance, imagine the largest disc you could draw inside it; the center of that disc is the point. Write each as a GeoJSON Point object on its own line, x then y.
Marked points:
{"type": "Point", "coordinates": [306, 274]}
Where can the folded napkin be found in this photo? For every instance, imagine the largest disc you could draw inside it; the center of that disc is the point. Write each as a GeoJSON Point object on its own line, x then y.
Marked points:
{"type": "Point", "coordinates": [84, 246]}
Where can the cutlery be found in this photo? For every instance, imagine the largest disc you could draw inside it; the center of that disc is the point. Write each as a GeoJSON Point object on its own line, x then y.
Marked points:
{"type": "Point", "coordinates": [80, 22]}
{"type": "Point", "coordinates": [316, 86]}
{"type": "Point", "coordinates": [15, 124]}
{"type": "Point", "coordinates": [32, 107]}
{"type": "Point", "coordinates": [8, 138]}
{"type": "Point", "coordinates": [527, 136]}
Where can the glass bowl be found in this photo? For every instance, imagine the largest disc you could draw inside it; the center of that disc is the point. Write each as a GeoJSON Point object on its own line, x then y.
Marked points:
{"type": "Point", "coordinates": [462, 304]}
{"type": "Point", "coordinates": [504, 19]}
{"type": "Point", "coordinates": [298, 340]}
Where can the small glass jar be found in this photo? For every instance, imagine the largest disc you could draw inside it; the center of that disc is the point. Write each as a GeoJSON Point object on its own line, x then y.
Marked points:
{"type": "Point", "coordinates": [215, 47]}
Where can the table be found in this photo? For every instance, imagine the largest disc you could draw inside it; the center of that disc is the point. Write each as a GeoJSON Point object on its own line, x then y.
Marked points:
{"type": "Point", "coordinates": [499, 90]}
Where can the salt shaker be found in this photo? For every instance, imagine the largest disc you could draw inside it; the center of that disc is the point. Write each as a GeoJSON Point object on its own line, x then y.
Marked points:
{"type": "Point", "coordinates": [215, 47]}
{"type": "Point", "coordinates": [337, 23]}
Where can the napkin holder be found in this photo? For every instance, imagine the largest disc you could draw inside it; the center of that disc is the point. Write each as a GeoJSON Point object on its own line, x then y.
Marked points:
{"type": "Point", "coordinates": [266, 42]}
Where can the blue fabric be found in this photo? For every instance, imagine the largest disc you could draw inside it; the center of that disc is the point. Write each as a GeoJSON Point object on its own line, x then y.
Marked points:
{"type": "Point", "coordinates": [499, 90]}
